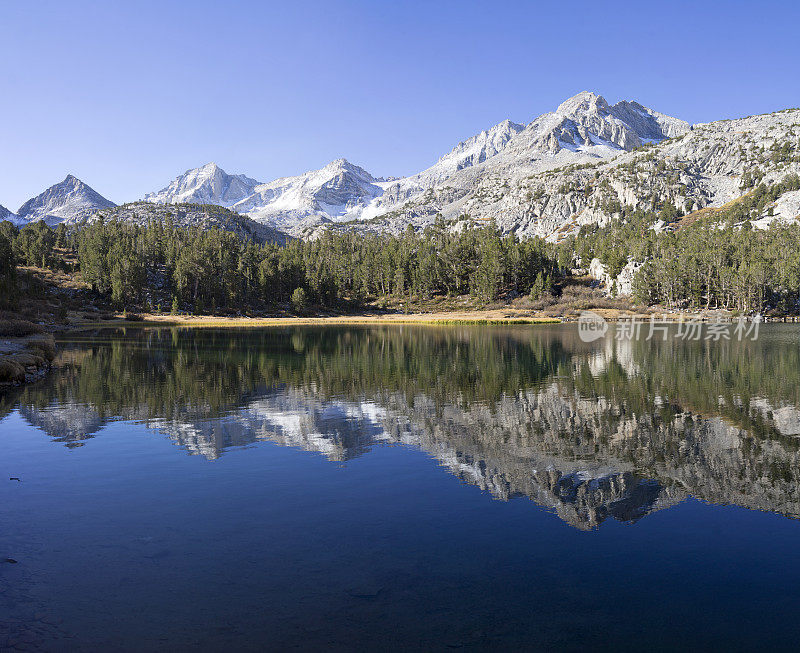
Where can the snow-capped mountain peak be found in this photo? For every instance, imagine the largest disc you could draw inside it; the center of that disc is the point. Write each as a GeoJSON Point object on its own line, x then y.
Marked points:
{"type": "Point", "coordinates": [338, 191]}
{"type": "Point", "coordinates": [208, 184]}
{"type": "Point", "coordinates": [70, 200]}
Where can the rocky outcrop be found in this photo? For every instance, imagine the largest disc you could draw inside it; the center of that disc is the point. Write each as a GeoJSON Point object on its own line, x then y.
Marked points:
{"type": "Point", "coordinates": [25, 359]}
{"type": "Point", "coordinates": [785, 210]}
{"type": "Point", "coordinates": [622, 284]}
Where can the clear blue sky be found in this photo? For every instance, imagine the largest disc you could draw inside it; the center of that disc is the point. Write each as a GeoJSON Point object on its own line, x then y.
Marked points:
{"type": "Point", "coordinates": [128, 95]}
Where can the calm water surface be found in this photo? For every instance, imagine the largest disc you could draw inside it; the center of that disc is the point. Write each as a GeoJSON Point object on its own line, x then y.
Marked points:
{"type": "Point", "coordinates": [393, 488]}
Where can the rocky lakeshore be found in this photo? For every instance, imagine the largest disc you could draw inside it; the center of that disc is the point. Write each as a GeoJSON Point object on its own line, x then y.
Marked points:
{"type": "Point", "coordinates": [26, 353]}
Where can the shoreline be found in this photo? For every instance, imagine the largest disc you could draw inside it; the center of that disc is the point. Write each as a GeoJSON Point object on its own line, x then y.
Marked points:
{"type": "Point", "coordinates": [444, 318]}
{"type": "Point", "coordinates": [440, 318]}
{"type": "Point", "coordinates": [25, 359]}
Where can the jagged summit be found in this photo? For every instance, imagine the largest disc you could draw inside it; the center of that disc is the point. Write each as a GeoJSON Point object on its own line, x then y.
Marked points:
{"type": "Point", "coordinates": [583, 102]}
{"type": "Point", "coordinates": [70, 200]}
{"type": "Point", "coordinates": [587, 120]}
{"type": "Point", "coordinates": [482, 146]}
{"type": "Point", "coordinates": [342, 165]}
{"type": "Point", "coordinates": [208, 184]}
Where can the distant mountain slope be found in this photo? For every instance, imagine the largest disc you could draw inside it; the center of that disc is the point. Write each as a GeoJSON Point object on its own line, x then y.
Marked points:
{"type": "Point", "coordinates": [68, 201]}
{"type": "Point", "coordinates": [5, 214]}
{"type": "Point", "coordinates": [209, 184]}
{"type": "Point", "coordinates": [192, 215]}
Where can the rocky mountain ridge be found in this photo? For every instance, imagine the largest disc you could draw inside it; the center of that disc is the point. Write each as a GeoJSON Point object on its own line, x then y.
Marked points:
{"type": "Point", "coordinates": [707, 165]}
{"type": "Point", "coordinates": [338, 191]}
{"type": "Point", "coordinates": [587, 162]}
{"type": "Point", "coordinates": [584, 163]}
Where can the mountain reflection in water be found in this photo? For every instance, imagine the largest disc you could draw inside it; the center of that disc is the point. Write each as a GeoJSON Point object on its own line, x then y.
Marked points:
{"type": "Point", "coordinates": [615, 428]}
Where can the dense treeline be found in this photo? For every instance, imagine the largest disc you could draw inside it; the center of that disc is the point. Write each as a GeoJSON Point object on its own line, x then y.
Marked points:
{"type": "Point", "coordinates": [8, 274]}
{"type": "Point", "coordinates": [715, 259]}
{"type": "Point", "coordinates": [741, 269]}
{"type": "Point", "coordinates": [718, 261]}
{"type": "Point", "coordinates": [209, 269]}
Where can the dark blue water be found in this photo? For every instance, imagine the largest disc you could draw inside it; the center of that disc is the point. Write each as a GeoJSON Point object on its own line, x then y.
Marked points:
{"type": "Point", "coordinates": [426, 489]}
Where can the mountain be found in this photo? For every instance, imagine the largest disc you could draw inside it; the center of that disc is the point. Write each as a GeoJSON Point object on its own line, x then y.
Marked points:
{"type": "Point", "coordinates": [76, 204]}
{"type": "Point", "coordinates": [589, 162]}
{"type": "Point", "coordinates": [68, 201]}
{"type": "Point", "coordinates": [207, 185]}
{"type": "Point", "coordinates": [478, 177]}
{"type": "Point", "coordinates": [583, 129]}
{"type": "Point", "coordinates": [339, 191]}
{"type": "Point", "coordinates": [5, 214]}
{"type": "Point", "coordinates": [186, 215]}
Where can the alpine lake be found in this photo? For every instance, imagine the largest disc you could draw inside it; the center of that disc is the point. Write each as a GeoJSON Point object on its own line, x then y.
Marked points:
{"type": "Point", "coordinates": [404, 488]}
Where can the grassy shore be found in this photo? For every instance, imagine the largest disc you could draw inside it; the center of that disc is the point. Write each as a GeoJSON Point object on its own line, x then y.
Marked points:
{"type": "Point", "coordinates": [472, 317]}
{"type": "Point", "coordinates": [455, 317]}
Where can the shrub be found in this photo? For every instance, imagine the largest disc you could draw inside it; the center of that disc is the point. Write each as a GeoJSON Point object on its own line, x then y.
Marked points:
{"type": "Point", "coordinates": [11, 372]}
{"type": "Point", "coordinates": [45, 346]}
{"type": "Point", "coordinates": [18, 328]}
